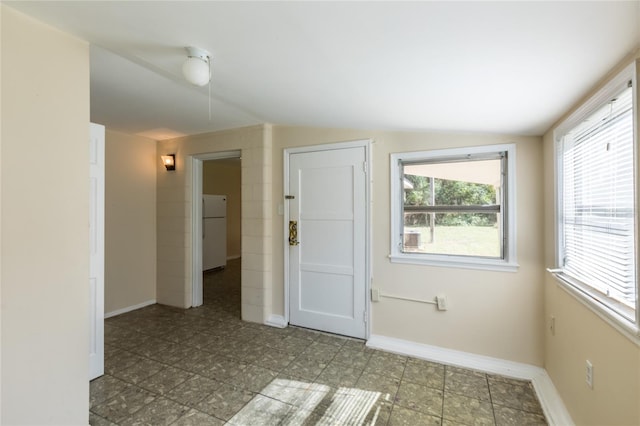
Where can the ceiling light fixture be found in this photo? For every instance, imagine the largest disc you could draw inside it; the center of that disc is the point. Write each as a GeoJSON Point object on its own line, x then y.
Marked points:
{"type": "Point", "coordinates": [197, 67]}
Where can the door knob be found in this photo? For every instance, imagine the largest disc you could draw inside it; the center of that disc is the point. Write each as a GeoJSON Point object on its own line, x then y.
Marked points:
{"type": "Point", "coordinates": [293, 233]}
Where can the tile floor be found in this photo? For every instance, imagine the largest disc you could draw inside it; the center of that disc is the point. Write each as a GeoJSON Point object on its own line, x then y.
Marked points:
{"type": "Point", "coordinates": [204, 366]}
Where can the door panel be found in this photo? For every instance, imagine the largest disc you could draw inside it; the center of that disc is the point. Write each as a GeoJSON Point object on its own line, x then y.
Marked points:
{"type": "Point", "coordinates": [324, 181]}
{"type": "Point", "coordinates": [327, 270]}
{"type": "Point", "coordinates": [319, 284]}
{"type": "Point", "coordinates": [320, 233]}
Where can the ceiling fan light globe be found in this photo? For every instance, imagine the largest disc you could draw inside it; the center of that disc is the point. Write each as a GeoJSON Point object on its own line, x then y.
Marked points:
{"type": "Point", "coordinates": [196, 71]}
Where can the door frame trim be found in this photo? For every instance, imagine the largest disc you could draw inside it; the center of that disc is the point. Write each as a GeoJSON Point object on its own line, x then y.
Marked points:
{"type": "Point", "coordinates": [97, 163]}
{"type": "Point", "coordinates": [196, 218]}
{"type": "Point", "coordinates": [366, 144]}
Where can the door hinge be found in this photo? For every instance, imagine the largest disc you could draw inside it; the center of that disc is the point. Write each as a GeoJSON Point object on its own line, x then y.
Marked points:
{"type": "Point", "coordinates": [364, 166]}
{"type": "Point", "coordinates": [364, 316]}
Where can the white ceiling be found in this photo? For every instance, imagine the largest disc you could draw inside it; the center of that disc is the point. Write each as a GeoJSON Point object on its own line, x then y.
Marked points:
{"type": "Point", "coordinates": [498, 67]}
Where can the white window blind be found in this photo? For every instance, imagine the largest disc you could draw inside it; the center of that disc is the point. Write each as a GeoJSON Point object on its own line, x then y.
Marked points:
{"type": "Point", "coordinates": [598, 199]}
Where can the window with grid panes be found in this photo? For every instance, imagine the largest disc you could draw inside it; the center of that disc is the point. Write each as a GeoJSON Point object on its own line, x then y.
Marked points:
{"type": "Point", "coordinates": [455, 207]}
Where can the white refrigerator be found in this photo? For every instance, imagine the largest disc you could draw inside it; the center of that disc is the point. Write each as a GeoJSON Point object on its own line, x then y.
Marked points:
{"type": "Point", "coordinates": [214, 231]}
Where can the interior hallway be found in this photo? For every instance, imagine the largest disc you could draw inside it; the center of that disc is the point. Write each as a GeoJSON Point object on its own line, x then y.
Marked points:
{"type": "Point", "coordinates": [204, 366]}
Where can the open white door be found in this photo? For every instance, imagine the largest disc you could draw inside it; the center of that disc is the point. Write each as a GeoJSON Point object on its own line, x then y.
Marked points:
{"type": "Point", "coordinates": [327, 193]}
{"type": "Point", "coordinates": [96, 249]}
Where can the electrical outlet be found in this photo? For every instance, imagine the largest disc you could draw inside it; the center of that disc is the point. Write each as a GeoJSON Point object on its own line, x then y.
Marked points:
{"type": "Point", "coordinates": [589, 374]}
{"type": "Point", "coordinates": [441, 302]}
{"type": "Point", "coordinates": [552, 325]}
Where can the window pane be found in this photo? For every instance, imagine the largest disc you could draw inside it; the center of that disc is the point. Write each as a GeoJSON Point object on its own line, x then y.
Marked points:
{"type": "Point", "coordinates": [465, 190]}
{"type": "Point", "coordinates": [455, 183]}
{"type": "Point", "coordinates": [465, 234]}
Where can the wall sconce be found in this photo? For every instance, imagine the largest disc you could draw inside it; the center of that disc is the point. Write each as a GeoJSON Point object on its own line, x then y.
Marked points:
{"type": "Point", "coordinates": [169, 161]}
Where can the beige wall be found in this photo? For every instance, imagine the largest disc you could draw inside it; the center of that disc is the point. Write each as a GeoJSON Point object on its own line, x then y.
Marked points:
{"type": "Point", "coordinates": [496, 314]}
{"type": "Point", "coordinates": [174, 217]}
{"type": "Point", "coordinates": [582, 335]}
{"type": "Point", "coordinates": [130, 221]}
{"type": "Point", "coordinates": [223, 177]}
{"type": "Point", "coordinates": [45, 211]}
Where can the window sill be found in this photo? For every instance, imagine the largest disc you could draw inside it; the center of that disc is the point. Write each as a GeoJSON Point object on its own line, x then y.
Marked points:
{"type": "Point", "coordinates": [617, 321]}
{"type": "Point", "coordinates": [456, 262]}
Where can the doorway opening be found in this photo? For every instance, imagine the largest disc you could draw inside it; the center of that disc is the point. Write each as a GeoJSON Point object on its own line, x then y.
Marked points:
{"type": "Point", "coordinates": [221, 188]}
{"type": "Point", "coordinates": [216, 199]}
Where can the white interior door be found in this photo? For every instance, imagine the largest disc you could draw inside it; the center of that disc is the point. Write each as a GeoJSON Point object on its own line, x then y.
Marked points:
{"type": "Point", "coordinates": [327, 268]}
{"type": "Point", "coordinates": [96, 249]}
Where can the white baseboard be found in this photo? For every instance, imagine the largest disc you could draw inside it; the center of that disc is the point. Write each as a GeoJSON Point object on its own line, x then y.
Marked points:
{"type": "Point", "coordinates": [550, 400]}
{"type": "Point", "coordinates": [129, 308]}
{"type": "Point", "coordinates": [552, 405]}
{"type": "Point", "coordinates": [276, 321]}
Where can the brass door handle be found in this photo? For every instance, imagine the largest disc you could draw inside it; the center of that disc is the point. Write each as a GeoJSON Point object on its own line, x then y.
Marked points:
{"type": "Point", "coordinates": [293, 233]}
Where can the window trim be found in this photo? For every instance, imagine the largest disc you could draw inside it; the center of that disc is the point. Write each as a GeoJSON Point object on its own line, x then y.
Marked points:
{"type": "Point", "coordinates": [584, 293]}
{"type": "Point", "coordinates": [507, 263]}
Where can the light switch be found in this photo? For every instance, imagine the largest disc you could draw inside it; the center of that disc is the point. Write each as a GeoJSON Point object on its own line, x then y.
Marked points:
{"type": "Point", "coordinates": [375, 295]}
